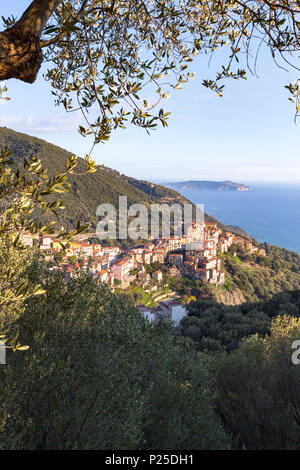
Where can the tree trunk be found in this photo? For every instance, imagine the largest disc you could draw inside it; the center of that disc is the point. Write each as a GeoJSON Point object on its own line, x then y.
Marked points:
{"type": "Point", "coordinates": [20, 56]}
{"type": "Point", "coordinates": [20, 51]}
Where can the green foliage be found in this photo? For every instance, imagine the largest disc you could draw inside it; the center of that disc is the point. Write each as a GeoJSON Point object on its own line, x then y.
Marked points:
{"type": "Point", "coordinates": [24, 187]}
{"type": "Point", "coordinates": [15, 286]}
{"type": "Point", "coordinates": [109, 58]}
{"type": "Point", "coordinates": [258, 390]}
{"type": "Point", "coordinates": [151, 268]}
{"type": "Point", "coordinates": [114, 52]}
{"type": "Point", "coordinates": [214, 326]}
{"type": "Point", "coordinates": [99, 376]}
{"type": "Point", "coordinates": [185, 286]}
{"type": "Point", "coordinates": [259, 277]}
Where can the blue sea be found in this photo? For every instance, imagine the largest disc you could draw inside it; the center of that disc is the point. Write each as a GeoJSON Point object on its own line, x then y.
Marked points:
{"type": "Point", "coordinates": [268, 213]}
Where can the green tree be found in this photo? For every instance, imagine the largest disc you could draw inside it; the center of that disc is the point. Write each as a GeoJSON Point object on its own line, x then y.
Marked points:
{"type": "Point", "coordinates": [99, 376]}
{"type": "Point", "coordinates": [258, 389]}
{"type": "Point", "coordinates": [104, 52]}
{"type": "Point", "coordinates": [25, 188]}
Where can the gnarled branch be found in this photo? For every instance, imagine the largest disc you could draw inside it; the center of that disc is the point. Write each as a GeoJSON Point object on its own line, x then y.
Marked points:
{"type": "Point", "coordinates": [20, 50]}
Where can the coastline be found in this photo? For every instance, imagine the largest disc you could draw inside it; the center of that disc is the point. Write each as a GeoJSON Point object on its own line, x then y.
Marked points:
{"type": "Point", "coordinates": [267, 213]}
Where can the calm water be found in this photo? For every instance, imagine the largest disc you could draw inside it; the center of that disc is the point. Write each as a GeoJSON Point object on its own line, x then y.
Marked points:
{"type": "Point", "coordinates": [267, 213]}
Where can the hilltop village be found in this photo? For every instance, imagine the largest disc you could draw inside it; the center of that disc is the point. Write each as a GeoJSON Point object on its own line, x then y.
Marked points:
{"type": "Point", "coordinates": [196, 256]}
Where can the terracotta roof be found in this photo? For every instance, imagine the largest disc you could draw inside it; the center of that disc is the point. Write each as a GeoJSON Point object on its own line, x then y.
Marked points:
{"type": "Point", "coordinates": [122, 262]}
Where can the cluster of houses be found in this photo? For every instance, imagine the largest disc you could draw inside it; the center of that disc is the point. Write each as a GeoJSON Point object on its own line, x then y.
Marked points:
{"type": "Point", "coordinates": [199, 260]}
{"type": "Point", "coordinates": [194, 255]}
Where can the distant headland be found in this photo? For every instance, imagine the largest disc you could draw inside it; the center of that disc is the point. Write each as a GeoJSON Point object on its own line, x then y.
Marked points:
{"type": "Point", "coordinates": [213, 185]}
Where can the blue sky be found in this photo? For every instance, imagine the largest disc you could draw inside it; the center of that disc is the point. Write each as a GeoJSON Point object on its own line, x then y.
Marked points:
{"type": "Point", "coordinates": [247, 136]}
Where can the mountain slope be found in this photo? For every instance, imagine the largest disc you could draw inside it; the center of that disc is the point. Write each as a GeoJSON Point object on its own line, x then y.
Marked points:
{"type": "Point", "coordinates": [103, 186]}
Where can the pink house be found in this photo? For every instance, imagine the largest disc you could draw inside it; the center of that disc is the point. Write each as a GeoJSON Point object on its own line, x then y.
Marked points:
{"type": "Point", "coordinates": [122, 268]}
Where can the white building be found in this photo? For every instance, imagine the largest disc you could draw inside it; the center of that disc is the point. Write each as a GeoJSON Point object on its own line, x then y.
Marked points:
{"type": "Point", "coordinates": [46, 243]}
{"type": "Point", "coordinates": [147, 313]}
{"type": "Point", "coordinates": [172, 311]}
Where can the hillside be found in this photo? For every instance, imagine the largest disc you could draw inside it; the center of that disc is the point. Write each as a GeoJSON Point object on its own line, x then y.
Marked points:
{"type": "Point", "coordinates": [211, 185]}
{"type": "Point", "coordinates": [213, 325]}
{"type": "Point", "coordinates": [103, 186]}
{"type": "Point", "coordinates": [254, 278]}
{"type": "Point", "coordinates": [257, 289]}
{"type": "Point", "coordinates": [249, 278]}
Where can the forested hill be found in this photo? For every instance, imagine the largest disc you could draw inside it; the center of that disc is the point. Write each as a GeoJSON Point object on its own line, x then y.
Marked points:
{"type": "Point", "coordinates": [103, 186]}
{"type": "Point", "coordinates": [257, 289]}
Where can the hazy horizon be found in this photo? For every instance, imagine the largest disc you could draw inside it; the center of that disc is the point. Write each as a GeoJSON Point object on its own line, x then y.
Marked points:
{"type": "Point", "coordinates": [220, 180]}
